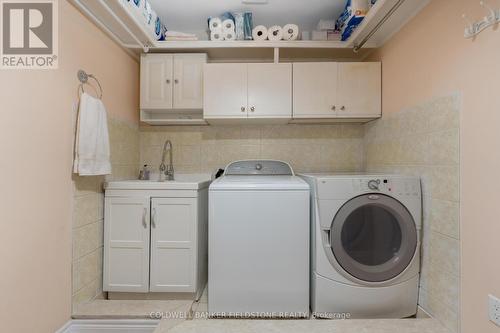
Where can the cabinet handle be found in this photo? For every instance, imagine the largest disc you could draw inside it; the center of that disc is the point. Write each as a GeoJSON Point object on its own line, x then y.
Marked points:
{"type": "Point", "coordinates": [153, 218]}
{"type": "Point", "coordinates": [176, 81]}
{"type": "Point", "coordinates": [252, 108]}
{"type": "Point", "coordinates": [242, 109]}
{"type": "Point", "coordinates": [342, 108]}
{"type": "Point", "coordinates": [144, 212]}
{"type": "Point", "coordinates": [168, 81]}
{"type": "Point", "coordinates": [334, 108]}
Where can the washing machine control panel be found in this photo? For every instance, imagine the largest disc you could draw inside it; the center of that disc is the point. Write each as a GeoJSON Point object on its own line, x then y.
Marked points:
{"type": "Point", "coordinates": [259, 167]}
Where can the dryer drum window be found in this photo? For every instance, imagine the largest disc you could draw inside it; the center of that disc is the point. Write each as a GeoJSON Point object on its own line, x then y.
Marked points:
{"type": "Point", "coordinates": [373, 237]}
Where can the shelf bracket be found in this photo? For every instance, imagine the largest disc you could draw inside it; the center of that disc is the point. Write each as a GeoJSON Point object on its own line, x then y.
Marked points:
{"type": "Point", "coordinates": [276, 55]}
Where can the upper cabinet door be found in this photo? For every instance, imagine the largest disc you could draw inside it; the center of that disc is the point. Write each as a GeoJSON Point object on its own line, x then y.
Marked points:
{"type": "Point", "coordinates": [173, 238]}
{"type": "Point", "coordinates": [315, 90]}
{"type": "Point", "coordinates": [126, 244]}
{"type": "Point", "coordinates": [225, 91]}
{"type": "Point", "coordinates": [360, 90]}
{"type": "Point", "coordinates": [270, 91]}
{"type": "Point", "coordinates": [156, 81]}
{"type": "Point", "coordinates": [188, 81]}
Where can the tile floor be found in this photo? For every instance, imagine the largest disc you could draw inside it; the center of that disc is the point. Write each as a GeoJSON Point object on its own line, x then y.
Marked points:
{"type": "Point", "coordinates": [193, 315]}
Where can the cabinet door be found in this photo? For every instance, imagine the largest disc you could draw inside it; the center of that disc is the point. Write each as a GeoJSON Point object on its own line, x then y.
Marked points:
{"type": "Point", "coordinates": [359, 93]}
{"type": "Point", "coordinates": [188, 81]}
{"type": "Point", "coordinates": [270, 91]}
{"type": "Point", "coordinates": [126, 244]}
{"type": "Point", "coordinates": [314, 90]}
{"type": "Point", "coordinates": [225, 91]}
{"type": "Point", "coordinates": [156, 81]}
{"type": "Point", "coordinates": [173, 253]}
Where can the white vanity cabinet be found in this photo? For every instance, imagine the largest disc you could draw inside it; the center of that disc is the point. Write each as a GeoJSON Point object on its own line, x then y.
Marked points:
{"type": "Point", "coordinates": [155, 237]}
{"type": "Point", "coordinates": [126, 234]}
{"type": "Point", "coordinates": [253, 92]}
{"type": "Point", "coordinates": [341, 90]}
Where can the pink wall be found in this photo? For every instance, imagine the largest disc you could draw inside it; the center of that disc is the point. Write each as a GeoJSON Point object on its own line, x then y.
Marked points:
{"type": "Point", "coordinates": [36, 124]}
{"type": "Point", "coordinates": [430, 58]}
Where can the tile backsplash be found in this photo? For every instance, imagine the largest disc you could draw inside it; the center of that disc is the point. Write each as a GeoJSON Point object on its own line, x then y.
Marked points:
{"type": "Point", "coordinates": [424, 141]}
{"type": "Point", "coordinates": [308, 148]}
{"type": "Point", "coordinates": [88, 211]}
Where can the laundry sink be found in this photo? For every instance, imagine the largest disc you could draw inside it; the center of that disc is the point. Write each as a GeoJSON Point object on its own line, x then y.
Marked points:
{"type": "Point", "coordinates": [180, 182]}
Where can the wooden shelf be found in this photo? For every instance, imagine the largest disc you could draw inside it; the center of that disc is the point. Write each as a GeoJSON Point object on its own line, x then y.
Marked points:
{"type": "Point", "coordinates": [113, 17]}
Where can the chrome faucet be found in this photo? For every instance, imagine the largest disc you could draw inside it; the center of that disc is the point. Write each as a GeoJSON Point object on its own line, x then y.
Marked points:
{"type": "Point", "coordinates": [168, 170]}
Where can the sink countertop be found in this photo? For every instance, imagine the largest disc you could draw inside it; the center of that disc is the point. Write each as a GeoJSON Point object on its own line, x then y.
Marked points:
{"type": "Point", "coordinates": [180, 182]}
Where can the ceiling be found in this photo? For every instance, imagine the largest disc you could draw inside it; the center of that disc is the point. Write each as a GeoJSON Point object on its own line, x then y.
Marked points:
{"type": "Point", "coordinates": [191, 15]}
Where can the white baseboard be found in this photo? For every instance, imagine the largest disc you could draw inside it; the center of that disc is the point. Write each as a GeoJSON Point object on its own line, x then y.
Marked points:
{"type": "Point", "coordinates": [109, 325]}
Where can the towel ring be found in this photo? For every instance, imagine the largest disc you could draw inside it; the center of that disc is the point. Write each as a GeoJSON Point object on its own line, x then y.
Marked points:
{"type": "Point", "coordinates": [83, 77]}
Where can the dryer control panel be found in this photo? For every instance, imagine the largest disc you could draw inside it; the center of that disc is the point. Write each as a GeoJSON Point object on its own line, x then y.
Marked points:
{"type": "Point", "coordinates": [396, 186]}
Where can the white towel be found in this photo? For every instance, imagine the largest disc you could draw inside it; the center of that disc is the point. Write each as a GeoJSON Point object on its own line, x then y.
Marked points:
{"type": "Point", "coordinates": [92, 139]}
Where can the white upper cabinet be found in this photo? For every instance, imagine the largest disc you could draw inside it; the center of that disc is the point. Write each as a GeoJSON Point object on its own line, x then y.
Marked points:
{"type": "Point", "coordinates": [225, 91]}
{"type": "Point", "coordinates": [315, 89]}
{"type": "Point", "coordinates": [126, 253]}
{"type": "Point", "coordinates": [188, 81]}
{"type": "Point", "coordinates": [156, 81]}
{"type": "Point", "coordinates": [173, 239]}
{"type": "Point", "coordinates": [349, 90]}
{"type": "Point", "coordinates": [248, 91]}
{"type": "Point", "coordinates": [360, 89]}
{"type": "Point", "coordinates": [172, 81]}
{"type": "Point", "coordinates": [269, 90]}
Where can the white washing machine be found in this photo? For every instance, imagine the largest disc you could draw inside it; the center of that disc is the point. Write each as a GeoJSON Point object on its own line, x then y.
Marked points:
{"type": "Point", "coordinates": [365, 248]}
{"type": "Point", "coordinates": [258, 242]}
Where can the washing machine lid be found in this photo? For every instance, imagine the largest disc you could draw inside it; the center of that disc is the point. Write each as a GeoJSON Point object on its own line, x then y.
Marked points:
{"type": "Point", "coordinates": [373, 237]}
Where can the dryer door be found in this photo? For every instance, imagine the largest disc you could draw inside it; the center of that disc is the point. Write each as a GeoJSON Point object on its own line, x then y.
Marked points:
{"type": "Point", "coordinates": [373, 237]}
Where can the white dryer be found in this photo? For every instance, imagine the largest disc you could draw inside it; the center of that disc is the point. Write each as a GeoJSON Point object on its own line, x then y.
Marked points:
{"type": "Point", "coordinates": [365, 257]}
{"type": "Point", "coordinates": [258, 242]}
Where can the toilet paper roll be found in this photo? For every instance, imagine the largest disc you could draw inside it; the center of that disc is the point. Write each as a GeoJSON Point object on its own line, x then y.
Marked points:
{"type": "Point", "coordinates": [259, 33]}
{"type": "Point", "coordinates": [290, 32]}
{"type": "Point", "coordinates": [217, 35]}
{"type": "Point", "coordinates": [229, 35]}
{"type": "Point", "coordinates": [228, 25]}
{"type": "Point", "coordinates": [275, 33]}
{"type": "Point", "coordinates": [214, 24]}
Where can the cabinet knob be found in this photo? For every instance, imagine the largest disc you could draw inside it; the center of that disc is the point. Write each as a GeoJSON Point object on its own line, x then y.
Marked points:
{"type": "Point", "coordinates": [342, 108]}
{"type": "Point", "coordinates": [168, 81]}
{"type": "Point", "coordinates": [334, 108]}
{"type": "Point", "coordinates": [252, 108]}
{"type": "Point", "coordinates": [176, 81]}
{"type": "Point", "coordinates": [242, 109]}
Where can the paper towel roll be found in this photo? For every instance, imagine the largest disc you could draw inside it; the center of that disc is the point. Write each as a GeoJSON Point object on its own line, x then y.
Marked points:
{"type": "Point", "coordinates": [290, 32]}
{"type": "Point", "coordinates": [229, 35]}
{"type": "Point", "coordinates": [214, 23]}
{"type": "Point", "coordinates": [259, 33]}
{"type": "Point", "coordinates": [216, 35]}
{"type": "Point", "coordinates": [275, 33]}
